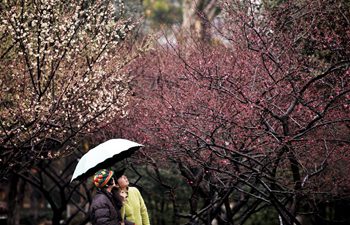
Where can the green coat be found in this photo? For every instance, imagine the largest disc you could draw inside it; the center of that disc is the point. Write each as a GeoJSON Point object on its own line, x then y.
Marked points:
{"type": "Point", "coordinates": [135, 209]}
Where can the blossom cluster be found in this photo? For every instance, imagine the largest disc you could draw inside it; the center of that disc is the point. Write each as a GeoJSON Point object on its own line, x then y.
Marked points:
{"type": "Point", "coordinates": [61, 74]}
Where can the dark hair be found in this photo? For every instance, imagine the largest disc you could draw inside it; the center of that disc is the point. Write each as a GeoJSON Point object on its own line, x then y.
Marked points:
{"type": "Point", "coordinates": [118, 174]}
{"type": "Point", "coordinates": [117, 197]}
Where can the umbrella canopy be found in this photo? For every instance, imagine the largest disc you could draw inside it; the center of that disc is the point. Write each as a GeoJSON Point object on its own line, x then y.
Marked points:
{"type": "Point", "coordinates": [102, 156]}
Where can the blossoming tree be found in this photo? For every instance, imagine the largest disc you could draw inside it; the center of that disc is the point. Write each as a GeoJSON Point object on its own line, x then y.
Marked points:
{"type": "Point", "coordinates": [257, 121]}
{"type": "Point", "coordinates": [60, 76]}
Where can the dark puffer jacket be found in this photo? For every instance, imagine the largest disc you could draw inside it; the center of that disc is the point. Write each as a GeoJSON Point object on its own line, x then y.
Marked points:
{"type": "Point", "coordinates": [105, 210]}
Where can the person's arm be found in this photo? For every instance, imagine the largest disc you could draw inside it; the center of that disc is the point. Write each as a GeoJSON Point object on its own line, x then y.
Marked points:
{"type": "Point", "coordinates": [127, 213]}
{"type": "Point", "coordinates": [101, 215]}
{"type": "Point", "coordinates": [143, 210]}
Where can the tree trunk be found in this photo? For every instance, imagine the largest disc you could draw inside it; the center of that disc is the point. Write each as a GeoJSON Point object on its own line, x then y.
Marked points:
{"type": "Point", "coordinates": [197, 14]}
{"type": "Point", "coordinates": [57, 217]}
{"type": "Point", "coordinates": [15, 198]}
{"type": "Point", "coordinates": [188, 8]}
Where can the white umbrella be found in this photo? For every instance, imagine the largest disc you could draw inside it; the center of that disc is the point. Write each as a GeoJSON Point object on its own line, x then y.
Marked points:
{"type": "Point", "coordinates": [104, 155]}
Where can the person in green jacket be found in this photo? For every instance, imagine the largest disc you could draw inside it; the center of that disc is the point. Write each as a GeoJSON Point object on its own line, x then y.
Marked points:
{"type": "Point", "coordinates": [135, 209]}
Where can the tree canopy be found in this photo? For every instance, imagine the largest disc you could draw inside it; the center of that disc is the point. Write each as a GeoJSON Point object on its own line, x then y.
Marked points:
{"type": "Point", "coordinates": [245, 122]}
{"type": "Point", "coordinates": [260, 116]}
{"type": "Point", "coordinates": [61, 76]}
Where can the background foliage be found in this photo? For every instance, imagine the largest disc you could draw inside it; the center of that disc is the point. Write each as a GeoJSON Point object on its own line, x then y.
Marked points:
{"type": "Point", "coordinates": [243, 111]}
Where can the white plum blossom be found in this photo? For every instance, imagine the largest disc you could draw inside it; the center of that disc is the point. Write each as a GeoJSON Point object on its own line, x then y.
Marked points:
{"type": "Point", "coordinates": [61, 78]}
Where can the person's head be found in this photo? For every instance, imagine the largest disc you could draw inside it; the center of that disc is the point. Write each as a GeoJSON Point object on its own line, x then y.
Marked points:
{"type": "Point", "coordinates": [119, 196]}
{"type": "Point", "coordinates": [104, 179]}
{"type": "Point", "coordinates": [123, 194]}
{"type": "Point", "coordinates": [119, 193]}
{"type": "Point", "coordinates": [121, 180]}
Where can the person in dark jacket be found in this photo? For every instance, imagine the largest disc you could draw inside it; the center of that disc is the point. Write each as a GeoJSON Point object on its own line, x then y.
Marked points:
{"type": "Point", "coordinates": [106, 205]}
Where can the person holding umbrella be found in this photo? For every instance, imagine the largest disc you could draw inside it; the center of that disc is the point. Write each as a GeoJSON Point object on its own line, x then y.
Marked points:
{"type": "Point", "coordinates": [134, 207]}
{"type": "Point", "coordinates": [106, 205]}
